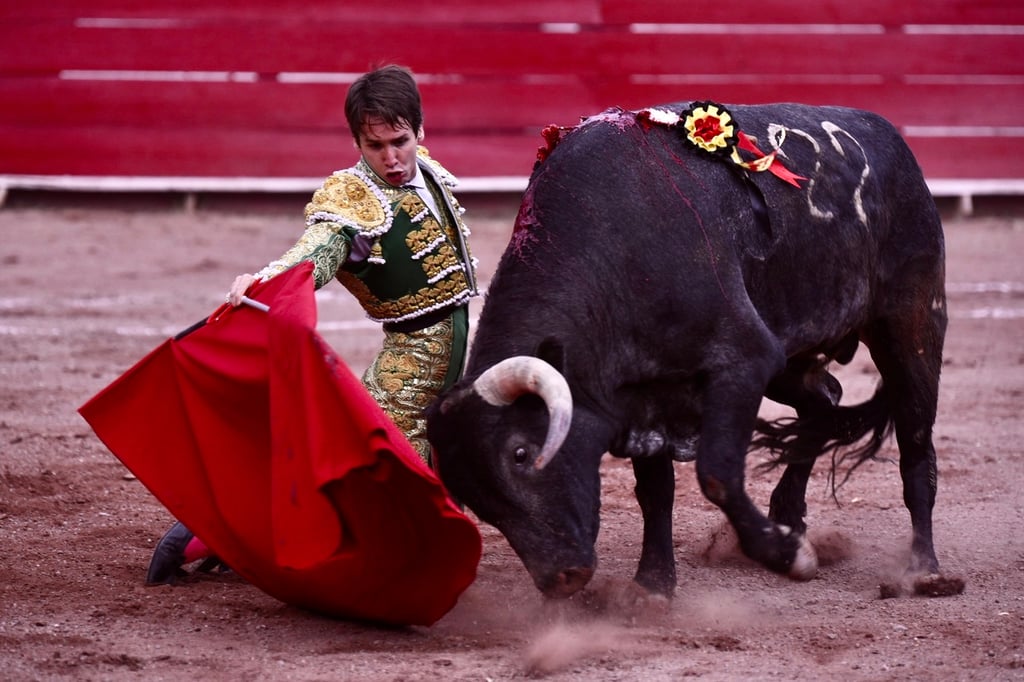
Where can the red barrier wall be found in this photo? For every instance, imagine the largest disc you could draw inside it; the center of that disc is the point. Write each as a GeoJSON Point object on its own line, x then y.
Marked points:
{"type": "Point", "coordinates": [195, 88]}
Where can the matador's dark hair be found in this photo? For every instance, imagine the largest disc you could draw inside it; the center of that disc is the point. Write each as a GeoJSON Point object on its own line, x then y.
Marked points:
{"type": "Point", "coordinates": [388, 93]}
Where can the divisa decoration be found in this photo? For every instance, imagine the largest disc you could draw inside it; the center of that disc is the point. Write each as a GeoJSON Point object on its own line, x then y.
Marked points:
{"type": "Point", "coordinates": [710, 127]}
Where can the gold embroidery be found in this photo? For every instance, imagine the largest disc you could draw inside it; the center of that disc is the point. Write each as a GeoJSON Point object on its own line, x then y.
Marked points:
{"type": "Point", "coordinates": [451, 289]}
{"type": "Point", "coordinates": [427, 236]}
{"type": "Point", "coordinates": [358, 198]}
{"type": "Point", "coordinates": [320, 243]}
{"type": "Point", "coordinates": [436, 263]}
{"type": "Point", "coordinates": [351, 198]}
{"type": "Point", "coordinates": [408, 374]}
{"type": "Point", "coordinates": [412, 204]}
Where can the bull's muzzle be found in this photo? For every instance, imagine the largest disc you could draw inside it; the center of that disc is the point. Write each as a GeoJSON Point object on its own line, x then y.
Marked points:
{"type": "Point", "coordinates": [566, 582]}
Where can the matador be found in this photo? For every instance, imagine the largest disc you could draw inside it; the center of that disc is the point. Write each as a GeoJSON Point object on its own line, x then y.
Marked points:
{"type": "Point", "coordinates": [403, 252]}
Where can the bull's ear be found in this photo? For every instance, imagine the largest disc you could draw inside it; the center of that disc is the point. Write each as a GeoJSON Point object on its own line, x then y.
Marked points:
{"type": "Point", "coordinates": [552, 352]}
{"type": "Point", "coordinates": [449, 399]}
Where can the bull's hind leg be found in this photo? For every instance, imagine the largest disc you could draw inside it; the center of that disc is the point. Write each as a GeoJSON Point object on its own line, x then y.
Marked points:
{"type": "Point", "coordinates": [908, 353]}
{"type": "Point", "coordinates": [906, 345]}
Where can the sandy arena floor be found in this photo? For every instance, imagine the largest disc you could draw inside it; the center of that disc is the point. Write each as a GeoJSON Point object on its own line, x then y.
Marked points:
{"type": "Point", "coordinates": [88, 289]}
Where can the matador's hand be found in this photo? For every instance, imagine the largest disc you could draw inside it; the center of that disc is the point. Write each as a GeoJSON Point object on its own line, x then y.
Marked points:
{"type": "Point", "coordinates": [239, 288]}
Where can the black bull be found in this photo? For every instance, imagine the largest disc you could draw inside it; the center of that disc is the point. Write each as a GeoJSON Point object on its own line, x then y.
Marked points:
{"type": "Point", "coordinates": [670, 291]}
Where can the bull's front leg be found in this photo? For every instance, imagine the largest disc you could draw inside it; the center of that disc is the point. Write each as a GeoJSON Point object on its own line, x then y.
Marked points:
{"type": "Point", "coordinates": [655, 492]}
{"type": "Point", "coordinates": [729, 416]}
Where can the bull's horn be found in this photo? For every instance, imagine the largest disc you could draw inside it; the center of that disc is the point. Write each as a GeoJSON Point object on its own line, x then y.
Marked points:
{"type": "Point", "coordinates": [511, 378]}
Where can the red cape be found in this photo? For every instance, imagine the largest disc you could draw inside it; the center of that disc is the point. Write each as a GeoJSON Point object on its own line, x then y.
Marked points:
{"type": "Point", "coordinates": [257, 436]}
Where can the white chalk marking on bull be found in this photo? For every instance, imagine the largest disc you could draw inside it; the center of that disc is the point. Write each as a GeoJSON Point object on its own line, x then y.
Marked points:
{"type": "Point", "coordinates": [504, 382]}
{"type": "Point", "coordinates": [832, 129]}
{"type": "Point", "coordinates": [776, 136]}
{"type": "Point", "coordinates": [256, 304]}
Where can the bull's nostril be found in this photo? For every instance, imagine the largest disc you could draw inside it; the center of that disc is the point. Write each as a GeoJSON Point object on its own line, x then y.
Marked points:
{"type": "Point", "coordinates": [568, 582]}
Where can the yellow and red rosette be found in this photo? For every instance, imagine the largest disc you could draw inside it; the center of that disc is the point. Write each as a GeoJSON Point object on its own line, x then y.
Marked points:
{"type": "Point", "coordinates": [710, 127]}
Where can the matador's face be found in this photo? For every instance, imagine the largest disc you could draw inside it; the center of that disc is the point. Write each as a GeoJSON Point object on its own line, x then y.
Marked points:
{"type": "Point", "coordinates": [390, 150]}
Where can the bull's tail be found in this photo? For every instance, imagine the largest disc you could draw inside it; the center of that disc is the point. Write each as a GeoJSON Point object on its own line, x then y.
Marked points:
{"type": "Point", "coordinates": [851, 434]}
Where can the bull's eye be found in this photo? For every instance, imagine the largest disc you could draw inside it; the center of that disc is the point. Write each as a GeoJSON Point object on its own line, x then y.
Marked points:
{"type": "Point", "coordinates": [521, 455]}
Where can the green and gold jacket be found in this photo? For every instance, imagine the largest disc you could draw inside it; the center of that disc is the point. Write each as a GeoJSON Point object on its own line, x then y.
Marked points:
{"type": "Point", "coordinates": [384, 245]}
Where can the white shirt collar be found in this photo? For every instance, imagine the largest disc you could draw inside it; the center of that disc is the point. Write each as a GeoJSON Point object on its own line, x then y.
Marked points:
{"type": "Point", "coordinates": [419, 184]}
{"type": "Point", "coordinates": [417, 181]}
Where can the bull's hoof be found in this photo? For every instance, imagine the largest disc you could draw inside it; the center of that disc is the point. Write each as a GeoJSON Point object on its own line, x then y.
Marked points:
{"type": "Point", "coordinates": [635, 601]}
{"type": "Point", "coordinates": [622, 600]}
{"type": "Point", "coordinates": [924, 585]}
{"type": "Point", "coordinates": [889, 590]}
{"type": "Point", "coordinates": [805, 564]}
{"type": "Point", "coordinates": [937, 585]}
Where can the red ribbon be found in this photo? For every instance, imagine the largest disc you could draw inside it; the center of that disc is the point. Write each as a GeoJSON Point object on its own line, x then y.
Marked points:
{"type": "Point", "coordinates": [764, 162]}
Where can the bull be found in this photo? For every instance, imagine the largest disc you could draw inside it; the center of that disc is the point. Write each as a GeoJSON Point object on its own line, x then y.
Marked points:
{"type": "Point", "coordinates": [654, 290]}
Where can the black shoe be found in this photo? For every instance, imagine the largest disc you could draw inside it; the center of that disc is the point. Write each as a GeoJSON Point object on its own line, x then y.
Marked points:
{"type": "Point", "coordinates": [211, 564]}
{"type": "Point", "coordinates": [165, 568]}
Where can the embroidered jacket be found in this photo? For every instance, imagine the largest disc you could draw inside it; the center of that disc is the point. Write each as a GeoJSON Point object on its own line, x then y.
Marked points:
{"type": "Point", "coordinates": [384, 245]}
